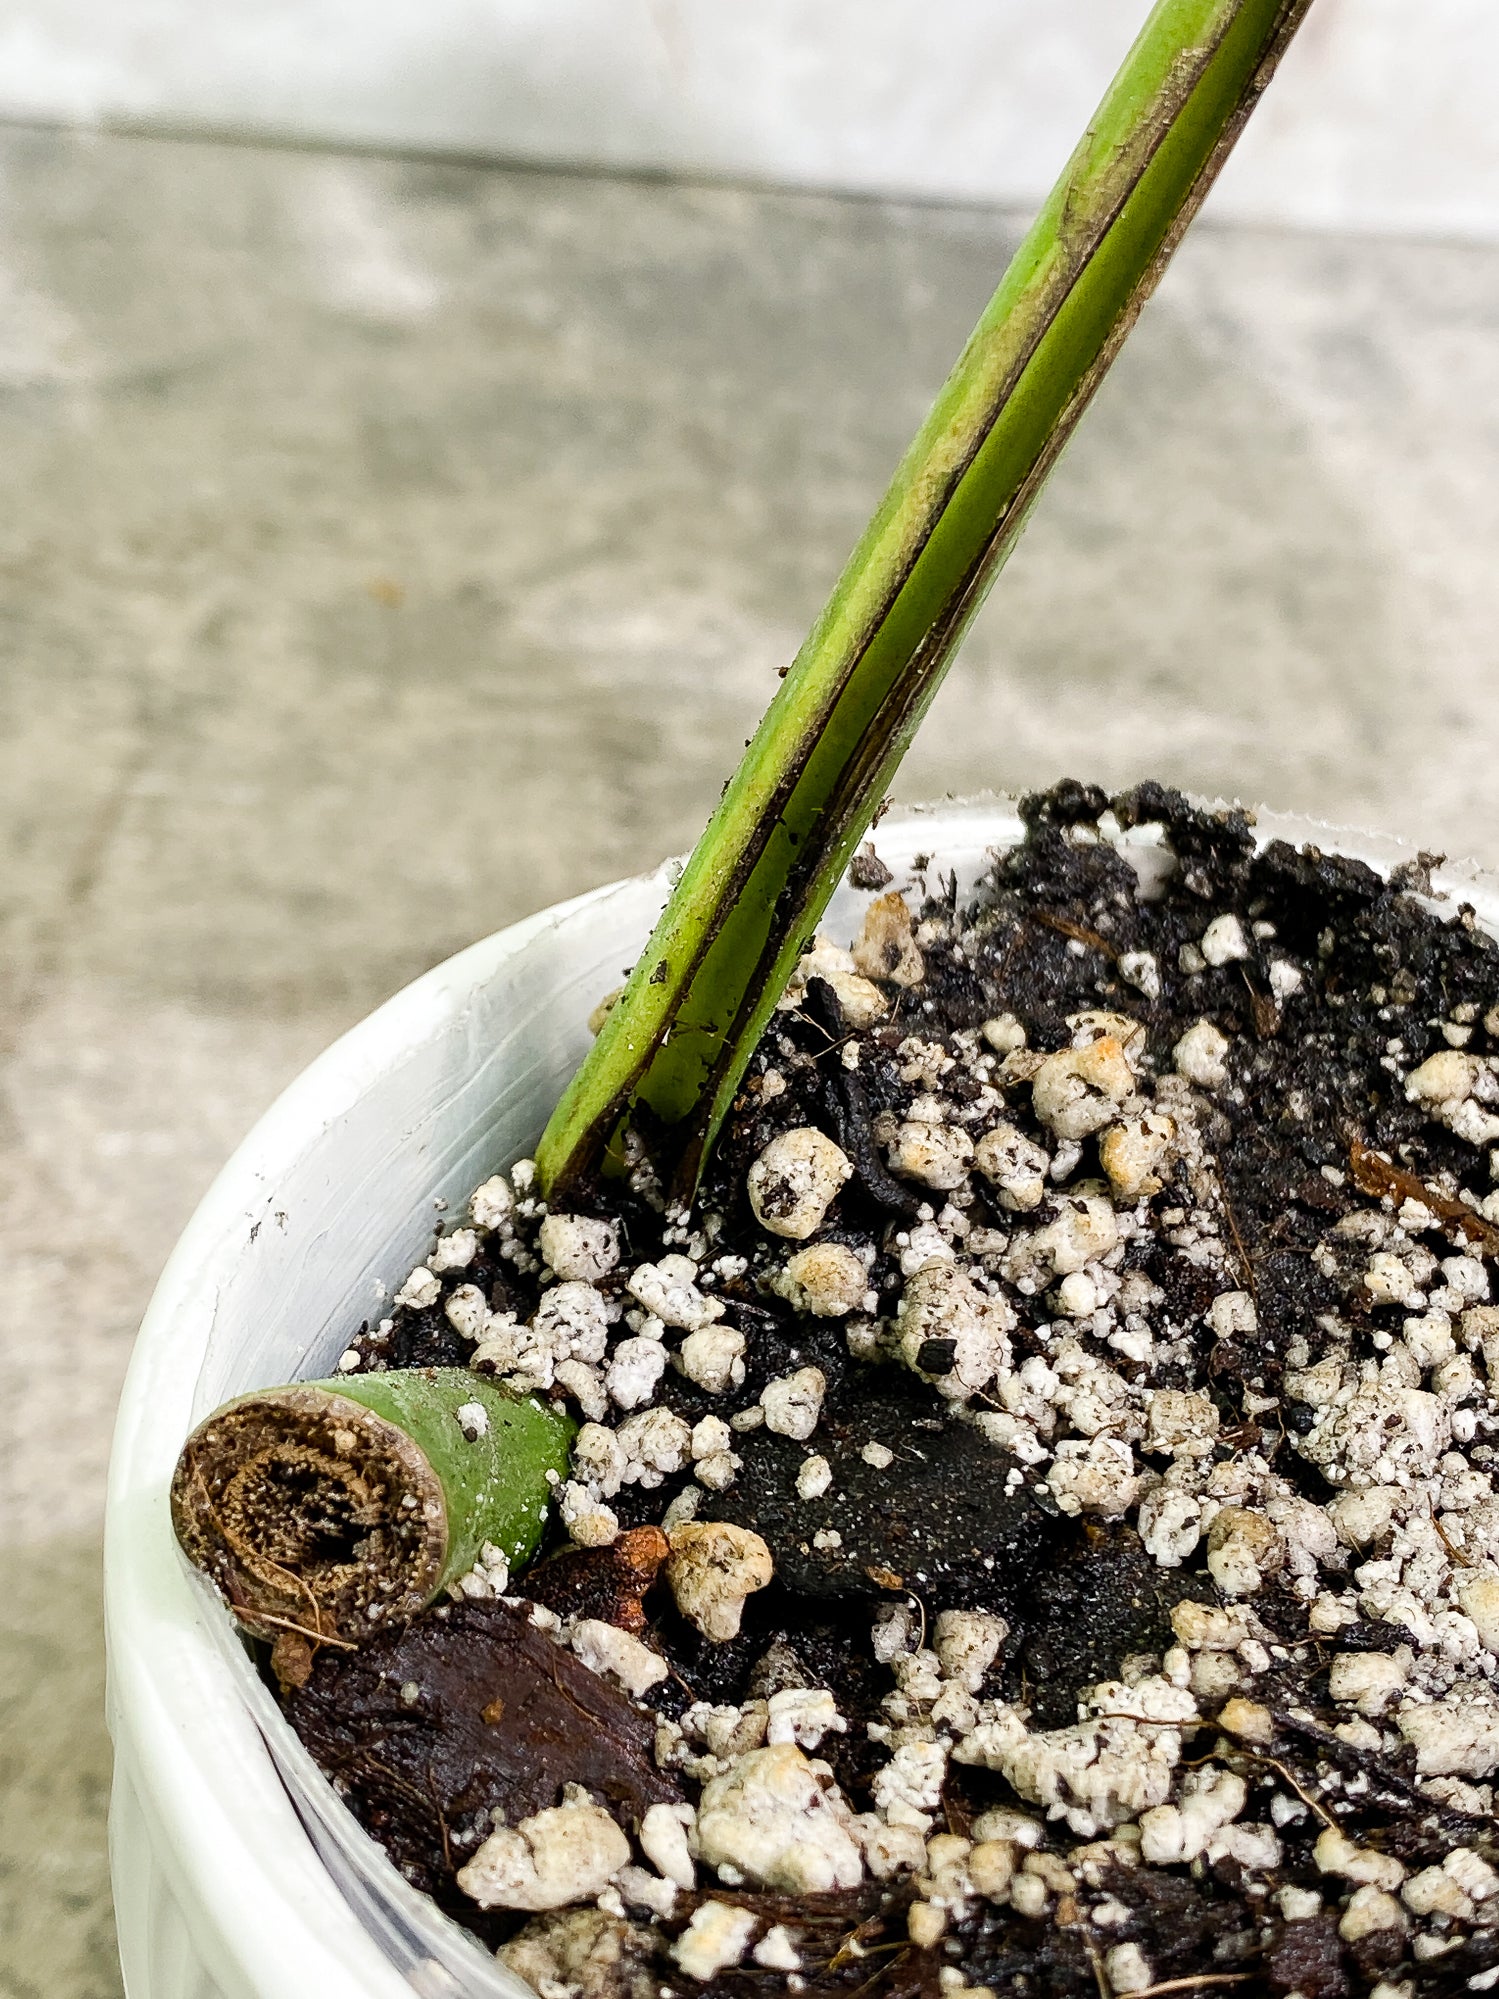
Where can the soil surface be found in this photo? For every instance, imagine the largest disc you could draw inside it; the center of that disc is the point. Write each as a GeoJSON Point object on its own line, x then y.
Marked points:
{"type": "Point", "coordinates": [1033, 1523]}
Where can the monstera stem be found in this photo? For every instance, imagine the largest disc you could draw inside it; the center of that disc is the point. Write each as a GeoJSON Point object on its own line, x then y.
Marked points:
{"type": "Point", "coordinates": [677, 1040]}
{"type": "Point", "coordinates": [331, 1509]}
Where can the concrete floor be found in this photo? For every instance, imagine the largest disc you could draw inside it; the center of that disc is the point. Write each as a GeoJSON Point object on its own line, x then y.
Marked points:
{"type": "Point", "coordinates": [387, 549]}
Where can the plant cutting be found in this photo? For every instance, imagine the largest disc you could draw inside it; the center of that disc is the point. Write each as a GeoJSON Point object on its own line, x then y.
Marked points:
{"type": "Point", "coordinates": [673, 1047]}
{"type": "Point", "coordinates": [984, 1343]}
{"type": "Point", "coordinates": [325, 1510]}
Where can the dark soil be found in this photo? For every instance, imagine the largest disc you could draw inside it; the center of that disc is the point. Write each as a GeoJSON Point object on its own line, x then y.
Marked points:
{"type": "Point", "coordinates": [502, 1717]}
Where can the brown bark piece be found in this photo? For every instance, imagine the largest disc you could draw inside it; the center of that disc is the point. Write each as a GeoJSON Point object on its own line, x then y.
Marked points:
{"type": "Point", "coordinates": [1375, 1175]}
{"type": "Point", "coordinates": [468, 1711]}
{"type": "Point", "coordinates": [609, 1583]}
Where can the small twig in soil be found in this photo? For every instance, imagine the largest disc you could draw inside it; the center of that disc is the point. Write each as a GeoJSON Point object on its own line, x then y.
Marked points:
{"type": "Point", "coordinates": [1263, 1010]}
{"type": "Point", "coordinates": [442, 1823]}
{"type": "Point", "coordinates": [921, 1641]}
{"type": "Point", "coordinates": [880, 1970]}
{"type": "Point", "coordinates": [1457, 1554]}
{"type": "Point", "coordinates": [1379, 1772]}
{"type": "Point", "coordinates": [1191, 1984]}
{"type": "Point", "coordinates": [312, 1637]}
{"type": "Point", "coordinates": [1312, 1804]}
{"type": "Point", "coordinates": [1246, 1265]}
{"type": "Point", "coordinates": [685, 1685]}
{"type": "Point", "coordinates": [852, 1946]}
{"type": "Point", "coordinates": [1376, 1175]}
{"type": "Point", "coordinates": [1079, 932]}
{"type": "Point", "coordinates": [1149, 1721]}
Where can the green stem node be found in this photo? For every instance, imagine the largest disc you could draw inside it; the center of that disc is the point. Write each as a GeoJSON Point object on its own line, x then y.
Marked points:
{"type": "Point", "coordinates": [335, 1508]}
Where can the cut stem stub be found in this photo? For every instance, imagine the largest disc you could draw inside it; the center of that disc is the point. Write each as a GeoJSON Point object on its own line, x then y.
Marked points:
{"type": "Point", "coordinates": [334, 1508]}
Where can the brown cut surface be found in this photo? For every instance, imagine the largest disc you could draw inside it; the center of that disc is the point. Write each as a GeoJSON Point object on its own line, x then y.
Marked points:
{"type": "Point", "coordinates": [314, 1515]}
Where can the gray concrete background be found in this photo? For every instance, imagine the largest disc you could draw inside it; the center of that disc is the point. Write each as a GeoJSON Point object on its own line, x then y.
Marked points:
{"type": "Point", "coordinates": [389, 549]}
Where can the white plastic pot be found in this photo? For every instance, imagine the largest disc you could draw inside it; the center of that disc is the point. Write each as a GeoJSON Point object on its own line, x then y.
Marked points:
{"type": "Point", "coordinates": [236, 1870]}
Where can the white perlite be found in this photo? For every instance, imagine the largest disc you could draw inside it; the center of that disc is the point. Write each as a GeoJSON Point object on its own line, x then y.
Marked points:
{"type": "Point", "coordinates": [967, 1643]}
{"type": "Point", "coordinates": [1231, 1313]}
{"type": "Point", "coordinates": [1200, 1056]}
{"type": "Point", "coordinates": [712, 1568]}
{"type": "Point", "coordinates": [589, 1522]}
{"type": "Point", "coordinates": [578, 1247]}
{"type": "Point", "coordinates": [420, 1290]}
{"type": "Point", "coordinates": [669, 1289]}
{"type": "Point", "coordinates": [1079, 1090]}
{"type": "Point", "coordinates": [1142, 970]}
{"type": "Point", "coordinates": [803, 1715]}
{"type": "Point", "coordinates": [828, 1280]}
{"type": "Point", "coordinates": [908, 1790]}
{"type": "Point", "coordinates": [466, 1312]}
{"type": "Point", "coordinates": [1004, 1033]}
{"type": "Point", "coordinates": [1454, 1737]}
{"type": "Point", "coordinates": [454, 1252]}
{"type": "Point", "coordinates": [714, 1359]}
{"type": "Point", "coordinates": [777, 1951]}
{"type": "Point", "coordinates": [1015, 1164]}
{"type": "Point", "coordinates": [1085, 1231]}
{"type": "Point", "coordinates": [493, 1205]}
{"type": "Point", "coordinates": [886, 948]}
{"type": "Point", "coordinates": [634, 1372]}
{"type": "Point", "coordinates": [605, 1649]}
{"type": "Point", "coordinates": [862, 1001]}
{"type": "Point", "coordinates": [813, 1478]}
{"type": "Point", "coordinates": [1461, 1090]}
{"type": "Point", "coordinates": [941, 1304]}
{"type": "Point", "coordinates": [1377, 1433]}
{"type": "Point", "coordinates": [936, 1155]}
{"type": "Point", "coordinates": [1183, 1422]}
{"type": "Point", "coordinates": [569, 1950]}
{"type": "Point", "coordinates": [793, 1403]}
{"type": "Point", "coordinates": [710, 1436]}
{"type": "Point", "coordinates": [1096, 1475]}
{"type": "Point", "coordinates": [559, 1857]}
{"type": "Point", "coordinates": [656, 1443]}
{"type": "Point", "coordinates": [771, 1821]}
{"type": "Point", "coordinates": [1133, 1153]}
{"type": "Point", "coordinates": [1478, 1599]}
{"type": "Point", "coordinates": [795, 1180]}
{"type": "Point", "coordinates": [1102, 1772]}
{"type": "Point", "coordinates": [664, 1841]}
{"type": "Point", "coordinates": [1172, 1834]}
{"type": "Point", "coordinates": [1128, 1968]}
{"type": "Point", "coordinates": [715, 1939]}
{"type": "Point", "coordinates": [1224, 942]}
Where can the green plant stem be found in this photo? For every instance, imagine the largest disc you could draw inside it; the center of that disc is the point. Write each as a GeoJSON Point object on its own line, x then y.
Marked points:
{"type": "Point", "coordinates": [679, 1037]}
{"type": "Point", "coordinates": [333, 1508]}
